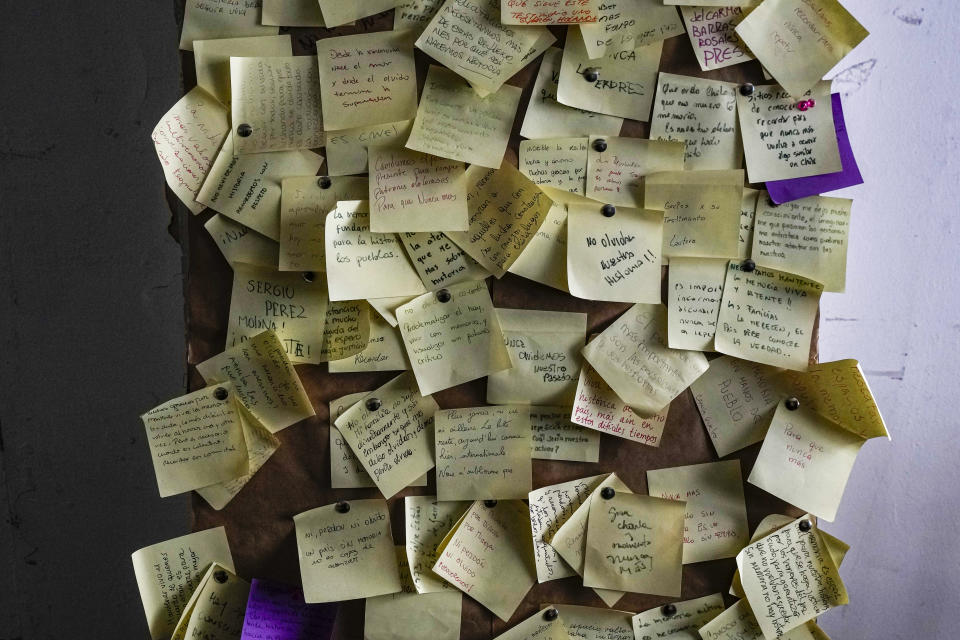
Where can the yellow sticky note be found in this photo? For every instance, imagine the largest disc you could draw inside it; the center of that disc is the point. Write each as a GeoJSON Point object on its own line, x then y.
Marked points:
{"type": "Point", "coordinates": [693, 301]}
{"type": "Point", "coordinates": [767, 316]}
{"type": "Point", "coordinates": [264, 380]}
{"type": "Point", "coordinates": [207, 20]}
{"type": "Point", "coordinates": [276, 104]}
{"type": "Point", "coordinates": [304, 205]}
{"type": "Point", "coordinates": [337, 12]}
{"type": "Point", "coordinates": [780, 141]}
{"type": "Point", "coordinates": [545, 258]}
{"type": "Point", "coordinates": [291, 13]}
{"type": "Point", "coordinates": [347, 148]}
{"type": "Point", "coordinates": [702, 114]}
{"type": "Point", "coordinates": [526, 12]}
{"type": "Point", "coordinates": [454, 122]}
{"type": "Point", "coordinates": [799, 41]}
{"type": "Point", "coordinates": [346, 329]}
{"type": "Point", "coordinates": [807, 237]}
{"type": "Point", "coordinates": [242, 244]}
{"type": "Point", "coordinates": [384, 351]}
{"type": "Point", "coordinates": [413, 191]}
{"type": "Point", "coordinates": [614, 258]}
{"type": "Point", "coordinates": [544, 348]}
{"type": "Point", "coordinates": [211, 59]}
{"type": "Point", "coordinates": [506, 210]}
{"type": "Point", "coordinates": [625, 25]}
{"type": "Point", "coordinates": [715, 522]}
{"type": "Point", "coordinates": [186, 141]}
{"type": "Point", "coordinates": [550, 507]}
{"type": "Point", "coordinates": [439, 261]}
{"type": "Point", "coordinates": [594, 623]}
{"type": "Point", "coordinates": [711, 29]}
{"type": "Point", "coordinates": [390, 432]}
{"type": "Point", "coordinates": [428, 521]}
{"type": "Point", "coordinates": [367, 79]}
{"type": "Point", "coordinates": [739, 623]}
{"type": "Point", "coordinates": [748, 208]}
{"type": "Point", "coordinates": [682, 624]}
{"type": "Point", "coordinates": [557, 162]}
{"type": "Point", "coordinates": [616, 167]}
{"type": "Point", "coordinates": [346, 553]}
{"type": "Point", "coordinates": [363, 264]}
{"type": "Point", "coordinates": [483, 453]}
{"type": "Point", "coordinates": [537, 627]}
{"type": "Point", "coordinates": [555, 437]}
{"type": "Point", "coordinates": [547, 118]}
{"type": "Point", "coordinates": [489, 556]}
{"type": "Point", "coordinates": [387, 306]}
{"type": "Point", "coordinates": [632, 357]}
{"type": "Point", "coordinates": [414, 15]}
{"type": "Point", "coordinates": [625, 81]}
{"type": "Point", "coordinates": [634, 543]}
{"type": "Point", "coordinates": [218, 607]}
{"type": "Point", "coordinates": [168, 572]}
{"type": "Point", "coordinates": [346, 471]}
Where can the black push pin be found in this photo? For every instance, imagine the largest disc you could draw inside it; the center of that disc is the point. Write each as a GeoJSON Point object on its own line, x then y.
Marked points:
{"type": "Point", "coordinates": [324, 182]}
{"type": "Point", "coordinates": [489, 504]}
{"type": "Point", "coordinates": [244, 130]}
{"type": "Point", "coordinates": [805, 525]}
{"type": "Point", "coordinates": [308, 276]}
{"type": "Point", "coordinates": [607, 492]}
{"type": "Point", "coordinates": [220, 393]}
{"type": "Point", "coordinates": [373, 404]}
{"type": "Point", "coordinates": [550, 614]}
{"type": "Point", "coordinates": [600, 145]}
{"type": "Point", "coordinates": [748, 265]}
{"type": "Point", "coordinates": [591, 74]}
{"type": "Point", "coordinates": [747, 89]}
{"type": "Point", "coordinates": [342, 507]}
{"type": "Point", "coordinates": [220, 576]}
{"type": "Point", "coordinates": [608, 210]}
{"type": "Point", "coordinates": [792, 404]}
{"type": "Point", "coordinates": [443, 295]}
{"type": "Point", "coordinates": [669, 610]}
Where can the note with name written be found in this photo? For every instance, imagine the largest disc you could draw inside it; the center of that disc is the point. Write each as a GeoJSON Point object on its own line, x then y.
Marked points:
{"type": "Point", "coordinates": [210, 19]}
{"type": "Point", "coordinates": [489, 556]}
{"type": "Point", "coordinates": [701, 113]}
{"type": "Point", "coordinates": [547, 118]}
{"type": "Point", "coordinates": [525, 12]}
{"type": "Point", "coordinates": [453, 122]}
{"type": "Point", "coordinates": [346, 329]}
{"type": "Point", "coordinates": [187, 139]}
{"type": "Point", "coordinates": [211, 59]}
{"type": "Point", "coordinates": [452, 338]}
{"type": "Point", "coordinates": [780, 141]}
{"type": "Point", "coordinates": [625, 25]}
{"type": "Point", "coordinates": [413, 191]}
{"type": "Point", "coordinates": [384, 351]}
{"type": "Point", "coordinates": [713, 36]}
{"type": "Point", "coordinates": [264, 380]}
{"type": "Point", "coordinates": [415, 14]}
{"type": "Point", "coordinates": [616, 167]}
{"type": "Point", "coordinates": [242, 244]}
{"type": "Point", "coordinates": [550, 507]}
{"type": "Point", "coordinates": [277, 611]}
{"type": "Point", "coordinates": [346, 471]}
{"type": "Point", "coordinates": [767, 316]}
{"type": "Point", "coordinates": [196, 440]}
{"type": "Point", "coordinates": [807, 237]}
{"type": "Point", "coordinates": [439, 261]}
{"type": "Point", "coordinates": [555, 437]}
{"type": "Point", "coordinates": [278, 99]}
{"type": "Point", "coordinates": [367, 79]}
{"type": "Point", "coordinates": [595, 623]}
{"type": "Point", "coordinates": [544, 260]}
{"type": "Point", "coordinates": [347, 148]}
{"type": "Point", "coordinates": [217, 607]}
{"type": "Point", "coordinates": [682, 624]}
{"type": "Point", "coordinates": [337, 12]}
{"type": "Point", "coordinates": [614, 258]}
{"type": "Point", "coordinates": [634, 543]}
{"type": "Point", "coordinates": [693, 302]}
{"type": "Point", "coordinates": [715, 523]}
{"type": "Point", "coordinates": [556, 162]}
{"type": "Point", "coordinates": [346, 553]}
{"type": "Point", "coordinates": [428, 521]}
{"type": "Point", "coordinates": [483, 453]}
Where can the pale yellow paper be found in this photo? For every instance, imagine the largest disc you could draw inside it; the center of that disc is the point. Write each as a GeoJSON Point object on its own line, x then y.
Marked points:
{"type": "Point", "coordinates": [556, 162]}
{"type": "Point", "coordinates": [264, 380]}
{"type": "Point", "coordinates": [384, 351]}
{"type": "Point", "coordinates": [415, 14]}
{"type": "Point", "coordinates": [387, 307]}
{"type": "Point", "coordinates": [632, 357]}
{"type": "Point", "coordinates": [547, 118]}
{"type": "Point", "coordinates": [392, 436]}
{"type": "Point", "coordinates": [550, 507]}
{"type": "Point", "coordinates": [544, 260]}
{"type": "Point", "coordinates": [711, 30]}
{"type": "Point", "coordinates": [693, 302]}
{"type": "Point", "coordinates": [346, 471]}
{"type": "Point", "coordinates": [806, 460]}
{"type": "Point", "coordinates": [187, 139]}
{"type": "Point", "coordinates": [427, 522]}
{"type": "Point", "coordinates": [454, 122]}
{"type": "Point", "coordinates": [748, 208]}
{"type": "Point", "coordinates": [293, 305]}
{"type": "Point", "coordinates": [484, 453]}
{"type": "Point", "coordinates": [438, 261]}
{"type": "Point", "coordinates": [196, 440]}
{"type": "Point", "coordinates": [690, 615]}
{"type": "Point", "coordinates": [544, 348]}
{"type": "Point", "coordinates": [789, 566]}
{"type": "Point", "coordinates": [219, 608]}
{"type": "Point", "coordinates": [212, 19]}
{"type": "Point", "coordinates": [625, 25]}
{"type": "Point", "coordinates": [807, 237]}
{"type": "Point", "coordinates": [616, 258]}
{"type": "Point", "coordinates": [304, 205]}
{"type": "Point", "coordinates": [736, 399]}
{"type": "Point", "coordinates": [413, 191]}
{"type": "Point", "coordinates": [168, 572]}
{"type": "Point", "coordinates": [344, 556]}
{"type": "Point", "coordinates": [346, 329]}
{"type": "Point", "coordinates": [738, 623]}
{"type": "Point", "coordinates": [279, 99]}
{"type": "Point", "coordinates": [490, 557]}
{"type": "Point", "coordinates": [626, 80]}
{"type": "Point", "coordinates": [701, 113]}
{"type": "Point", "coordinates": [211, 59]}
{"type": "Point", "coordinates": [536, 627]}
{"type": "Point", "coordinates": [780, 141]}
{"type": "Point", "coordinates": [767, 316]}
{"type": "Point", "coordinates": [715, 523]}
{"type": "Point", "coordinates": [363, 264]}
{"type": "Point", "coordinates": [338, 12]}
{"type": "Point", "coordinates": [595, 623]}
{"type": "Point", "coordinates": [291, 13]}
{"type": "Point", "coordinates": [555, 437]}
{"type": "Point", "coordinates": [347, 148]}
{"type": "Point", "coordinates": [616, 174]}
{"type": "Point", "coordinates": [247, 188]}
{"type": "Point", "coordinates": [799, 41]}
{"type": "Point", "coordinates": [240, 244]}
{"type": "Point", "coordinates": [506, 210]}
{"type": "Point", "coordinates": [526, 12]}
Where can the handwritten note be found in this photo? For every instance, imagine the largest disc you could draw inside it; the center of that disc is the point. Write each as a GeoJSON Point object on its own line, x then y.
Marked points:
{"type": "Point", "coordinates": [682, 624]}
{"type": "Point", "coordinates": [616, 167]}
{"type": "Point", "coordinates": [549, 11]}
{"type": "Point", "coordinates": [556, 162]}
{"type": "Point", "coordinates": [693, 302]}
{"type": "Point", "coordinates": [454, 122]}
{"type": "Point", "coordinates": [242, 244]}
{"type": "Point", "coordinates": [277, 612]}
{"type": "Point", "coordinates": [555, 437]}
{"type": "Point", "coordinates": [483, 453]}
{"type": "Point", "coordinates": [712, 35]}
{"type": "Point", "coordinates": [625, 25]}
{"type": "Point", "coordinates": [217, 607]}
{"type": "Point", "coordinates": [413, 191]}
{"type": "Point", "coordinates": [210, 19]}
{"type": "Point", "coordinates": [384, 351]}
{"type": "Point", "coordinates": [428, 521]}
{"type": "Point", "coordinates": [346, 470]}
{"type": "Point", "coordinates": [736, 623]}
{"type": "Point", "coordinates": [550, 507]}
{"type": "Point", "coordinates": [595, 623]}
{"type": "Point", "coordinates": [347, 148]}
{"type": "Point", "coordinates": [440, 262]}
{"type": "Point", "coordinates": [211, 59]}
{"type": "Point", "coordinates": [367, 79]}
{"type": "Point", "coordinates": [545, 258]}
{"type": "Point", "coordinates": [536, 627]}
{"type": "Point", "coordinates": [346, 329]}
{"type": "Point", "coordinates": [748, 208]}
{"type": "Point", "coordinates": [415, 14]}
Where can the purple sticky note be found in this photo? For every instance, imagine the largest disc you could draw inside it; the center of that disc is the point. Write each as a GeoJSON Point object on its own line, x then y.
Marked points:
{"type": "Point", "coordinates": [788, 190]}
{"type": "Point", "coordinates": [277, 612]}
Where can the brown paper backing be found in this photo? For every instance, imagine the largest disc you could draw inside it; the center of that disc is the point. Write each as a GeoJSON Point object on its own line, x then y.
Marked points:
{"type": "Point", "coordinates": [259, 521]}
